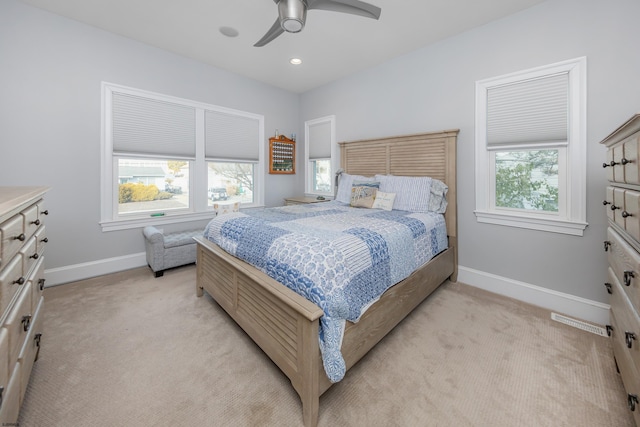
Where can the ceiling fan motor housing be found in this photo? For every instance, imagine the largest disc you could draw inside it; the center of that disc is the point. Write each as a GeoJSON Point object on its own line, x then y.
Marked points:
{"type": "Point", "coordinates": [292, 15]}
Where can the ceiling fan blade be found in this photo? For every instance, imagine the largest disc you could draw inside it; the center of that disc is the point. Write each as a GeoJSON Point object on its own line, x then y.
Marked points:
{"type": "Point", "coordinates": [353, 7]}
{"type": "Point", "coordinates": [273, 32]}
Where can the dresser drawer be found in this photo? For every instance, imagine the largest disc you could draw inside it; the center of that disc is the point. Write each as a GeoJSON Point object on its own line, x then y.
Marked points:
{"type": "Point", "coordinates": [622, 161]}
{"type": "Point", "coordinates": [4, 358]}
{"type": "Point", "coordinates": [18, 323]}
{"type": "Point", "coordinates": [617, 207]}
{"type": "Point", "coordinates": [12, 233]}
{"type": "Point", "coordinates": [29, 255]}
{"type": "Point", "coordinates": [628, 322]}
{"type": "Point", "coordinates": [11, 281]}
{"type": "Point", "coordinates": [628, 373]}
{"type": "Point", "coordinates": [31, 220]}
{"type": "Point", "coordinates": [37, 284]}
{"type": "Point", "coordinates": [41, 239]}
{"type": "Point", "coordinates": [30, 350]}
{"type": "Point", "coordinates": [625, 262]}
{"type": "Point", "coordinates": [11, 400]}
{"type": "Point", "coordinates": [623, 208]}
{"type": "Point", "coordinates": [632, 216]}
{"type": "Point", "coordinates": [609, 203]}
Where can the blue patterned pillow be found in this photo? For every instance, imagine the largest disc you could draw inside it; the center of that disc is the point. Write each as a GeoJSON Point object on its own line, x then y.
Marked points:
{"type": "Point", "coordinates": [415, 193]}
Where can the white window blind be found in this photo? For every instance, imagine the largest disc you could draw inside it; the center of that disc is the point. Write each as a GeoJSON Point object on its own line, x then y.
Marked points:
{"type": "Point", "coordinates": [153, 127]}
{"type": "Point", "coordinates": [529, 112]}
{"type": "Point", "coordinates": [231, 136]}
{"type": "Point", "coordinates": [320, 140]}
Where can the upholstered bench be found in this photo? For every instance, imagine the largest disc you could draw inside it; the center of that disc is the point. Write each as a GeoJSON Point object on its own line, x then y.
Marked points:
{"type": "Point", "coordinates": [169, 250]}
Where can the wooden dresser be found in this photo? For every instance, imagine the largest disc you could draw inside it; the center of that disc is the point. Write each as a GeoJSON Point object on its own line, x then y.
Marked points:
{"type": "Point", "coordinates": [622, 203]}
{"type": "Point", "coordinates": [22, 241]}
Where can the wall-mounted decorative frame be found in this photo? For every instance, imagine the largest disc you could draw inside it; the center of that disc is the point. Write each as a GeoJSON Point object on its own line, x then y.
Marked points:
{"type": "Point", "coordinates": [282, 155]}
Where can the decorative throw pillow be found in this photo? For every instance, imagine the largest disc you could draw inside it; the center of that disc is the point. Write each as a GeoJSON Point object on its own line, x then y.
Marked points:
{"type": "Point", "coordinates": [384, 201]}
{"type": "Point", "coordinates": [346, 182]}
{"type": "Point", "coordinates": [363, 194]}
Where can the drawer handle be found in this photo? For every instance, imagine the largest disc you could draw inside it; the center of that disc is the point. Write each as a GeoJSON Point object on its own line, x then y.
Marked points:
{"type": "Point", "coordinates": [614, 207]}
{"type": "Point", "coordinates": [35, 256]}
{"type": "Point", "coordinates": [20, 281]}
{"type": "Point", "coordinates": [628, 275]}
{"type": "Point", "coordinates": [626, 214]}
{"type": "Point", "coordinates": [632, 401]}
{"type": "Point", "coordinates": [36, 222]}
{"type": "Point", "coordinates": [612, 164]}
{"type": "Point", "coordinates": [26, 322]}
{"type": "Point", "coordinates": [45, 240]}
{"type": "Point", "coordinates": [625, 161]}
{"type": "Point", "coordinates": [604, 202]}
{"type": "Point", "coordinates": [609, 330]}
{"type": "Point", "coordinates": [629, 337]}
{"type": "Point", "coordinates": [608, 286]}
{"type": "Point", "coordinates": [20, 237]}
{"type": "Point", "coordinates": [45, 212]}
{"type": "Point", "coordinates": [41, 284]}
{"type": "Point", "coordinates": [37, 338]}
{"type": "Point", "coordinates": [606, 245]}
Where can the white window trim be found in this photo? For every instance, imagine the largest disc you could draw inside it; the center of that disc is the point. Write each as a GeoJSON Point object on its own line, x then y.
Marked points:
{"type": "Point", "coordinates": [198, 176]}
{"type": "Point", "coordinates": [573, 221]}
{"type": "Point", "coordinates": [308, 180]}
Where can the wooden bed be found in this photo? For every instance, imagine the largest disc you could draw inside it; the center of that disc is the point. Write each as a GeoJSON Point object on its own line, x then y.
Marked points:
{"type": "Point", "coordinates": [285, 324]}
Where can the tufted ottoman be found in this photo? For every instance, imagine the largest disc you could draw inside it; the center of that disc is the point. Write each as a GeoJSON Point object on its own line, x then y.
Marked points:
{"type": "Point", "coordinates": [169, 250]}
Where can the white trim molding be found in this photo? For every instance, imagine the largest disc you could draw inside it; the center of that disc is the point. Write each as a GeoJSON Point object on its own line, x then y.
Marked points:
{"type": "Point", "coordinates": [570, 217]}
{"type": "Point", "coordinates": [567, 304]}
{"type": "Point", "coordinates": [87, 270]}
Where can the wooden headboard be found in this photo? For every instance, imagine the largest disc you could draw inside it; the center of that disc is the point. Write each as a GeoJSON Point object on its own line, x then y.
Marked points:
{"type": "Point", "coordinates": [426, 154]}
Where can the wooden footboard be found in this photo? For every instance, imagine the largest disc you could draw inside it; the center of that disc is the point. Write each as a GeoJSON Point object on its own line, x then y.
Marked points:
{"type": "Point", "coordinates": [285, 324]}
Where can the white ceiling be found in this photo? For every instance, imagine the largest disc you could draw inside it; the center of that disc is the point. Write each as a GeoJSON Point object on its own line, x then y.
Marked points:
{"type": "Point", "coordinates": [331, 45]}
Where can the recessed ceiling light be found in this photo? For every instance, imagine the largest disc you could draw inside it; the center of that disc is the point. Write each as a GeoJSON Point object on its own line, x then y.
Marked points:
{"type": "Point", "coordinates": [229, 32]}
{"type": "Point", "coordinates": [295, 61]}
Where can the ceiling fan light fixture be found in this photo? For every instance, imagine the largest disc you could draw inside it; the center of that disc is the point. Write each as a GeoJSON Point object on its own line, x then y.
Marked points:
{"type": "Point", "coordinates": [292, 15]}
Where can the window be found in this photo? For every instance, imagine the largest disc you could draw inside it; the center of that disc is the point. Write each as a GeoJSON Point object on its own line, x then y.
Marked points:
{"type": "Point", "coordinates": [319, 154]}
{"type": "Point", "coordinates": [171, 159]}
{"type": "Point", "coordinates": [531, 148]}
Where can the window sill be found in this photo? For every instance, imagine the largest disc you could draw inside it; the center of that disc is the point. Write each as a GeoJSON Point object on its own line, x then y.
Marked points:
{"type": "Point", "coordinates": [574, 228]}
{"type": "Point", "coordinates": [126, 224]}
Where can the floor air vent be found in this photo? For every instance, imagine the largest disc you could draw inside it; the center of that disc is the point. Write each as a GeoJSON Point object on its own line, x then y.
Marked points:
{"type": "Point", "coordinates": [579, 324]}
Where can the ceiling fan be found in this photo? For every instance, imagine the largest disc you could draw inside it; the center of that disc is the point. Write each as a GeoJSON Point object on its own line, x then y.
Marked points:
{"type": "Point", "coordinates": [292, 14]}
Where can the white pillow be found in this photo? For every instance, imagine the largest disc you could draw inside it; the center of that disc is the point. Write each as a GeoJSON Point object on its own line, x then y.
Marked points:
{"type": "Point", "coordinates": [413, 193]}
{"type": "Point", "coordinates": [383, 201]}
{"type": "Point", "coordinates": [344, 186]}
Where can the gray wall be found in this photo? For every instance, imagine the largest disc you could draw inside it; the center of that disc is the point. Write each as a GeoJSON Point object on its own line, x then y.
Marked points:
{"type": "Point", "coordinates": [50, 74]}
{"type": "Point", "coordinates": [433, 89]}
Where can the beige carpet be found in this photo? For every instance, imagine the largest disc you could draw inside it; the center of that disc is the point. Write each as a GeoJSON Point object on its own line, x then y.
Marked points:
{"type": "Point", "coordinates": [132, 350]}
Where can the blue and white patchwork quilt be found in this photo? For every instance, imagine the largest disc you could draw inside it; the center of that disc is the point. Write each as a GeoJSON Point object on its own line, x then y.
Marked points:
{"type": "Point", "coordinates": [340, 258]}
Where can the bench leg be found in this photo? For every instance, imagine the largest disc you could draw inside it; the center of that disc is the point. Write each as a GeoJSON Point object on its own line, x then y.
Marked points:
{"type": "Point", "coordinates": [159, 273]}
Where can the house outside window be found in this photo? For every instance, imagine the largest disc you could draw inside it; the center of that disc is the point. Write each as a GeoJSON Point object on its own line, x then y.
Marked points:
{"type": "Point", "coordinates": [319, 155]}
{"type": "Point", "coordinates": [531, 148]}
{"type": "Point", "coordinates": [170, 159]}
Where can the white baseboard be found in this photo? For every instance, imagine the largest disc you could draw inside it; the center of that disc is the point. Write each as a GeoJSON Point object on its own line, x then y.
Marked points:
{"type": "Point", "coordinates": [567, 304]}
{"type": "Point", "coordinates": [72, 273]}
